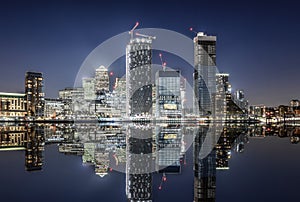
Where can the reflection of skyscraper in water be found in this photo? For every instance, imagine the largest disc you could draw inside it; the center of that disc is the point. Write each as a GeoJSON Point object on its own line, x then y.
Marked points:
{"type": "Point", "coordinates": [205, 73]}
{"type": "Point", "coordinates": [223, 150]}
{"type": "Point", "coordinates": [138, 77]}
{"type": "Point", "coordinates": [168, 140]}
{"type": "Point", "coordinates": [139, 163]}
{"type": "Point", "coordinates": [34, 148]}
{"type": "Point", "coordinates": [204, 168]}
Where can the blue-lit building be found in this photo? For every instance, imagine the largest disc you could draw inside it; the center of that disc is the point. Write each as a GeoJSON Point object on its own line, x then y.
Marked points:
{"type": "Point", "coordinates": [168, 95]}
{"type": "Point", "coordinates": [204, 73]}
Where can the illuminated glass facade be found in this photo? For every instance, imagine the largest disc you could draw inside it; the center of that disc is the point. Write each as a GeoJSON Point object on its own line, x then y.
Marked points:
{"type": "Point", "coordinates": [205, 73]}
{"type": "Point", "coordinates": [138, 77]}
{"type": "Point", "coordinates": [168, 95]}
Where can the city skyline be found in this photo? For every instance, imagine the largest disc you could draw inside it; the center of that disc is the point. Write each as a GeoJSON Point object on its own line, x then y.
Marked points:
{"type": "Point", "coordinates": [256, 41]}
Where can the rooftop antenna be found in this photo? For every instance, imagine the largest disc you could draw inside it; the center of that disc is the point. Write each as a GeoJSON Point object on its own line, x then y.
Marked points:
{"type": "Point", "coordinates": [192, 30]}
{"type": "Point", "coordinates": [131, 31]}
{"type": "Point", "coordinates": [163, 64]}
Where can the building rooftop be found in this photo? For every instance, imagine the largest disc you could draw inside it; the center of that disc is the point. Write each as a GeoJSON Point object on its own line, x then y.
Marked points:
{"type": "Point", "coordinates": [3, 94]}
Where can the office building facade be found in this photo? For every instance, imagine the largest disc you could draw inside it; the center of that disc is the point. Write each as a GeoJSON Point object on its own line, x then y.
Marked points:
{"type": "Point", "coordinates": [204, 73]}
{"type": "Point", "coordinates": [34, 94]}
{"type": "Point", "coordinates": [12, 105]}
{"type": "Point", "coordinates": [138, 77]}
{"type": "Point", "coordinates": [168, 95]}
{"type": "Point", "coordinates": [101, 79]}
{"type": "Point", "coordinates": [88, 85]}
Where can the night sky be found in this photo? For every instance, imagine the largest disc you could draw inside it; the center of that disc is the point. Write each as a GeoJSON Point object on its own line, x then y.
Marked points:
{"type": "Point", "coordinates": [257, 41]}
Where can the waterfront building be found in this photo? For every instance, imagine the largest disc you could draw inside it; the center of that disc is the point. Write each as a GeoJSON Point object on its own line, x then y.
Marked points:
{"type": "Point", "coordinates": [204, 73]}
{"type": "Point", "coordinates": [12, 105]}
{"type": "Point", "coordinates": [34, 94]}
{"type": "Point", "coordinates": [54, 109]}
{"type": "Point", "coordinates": [138, 77]}
{"type": "Point", "coordinates": [70, 93]}
{"type": "Point", "coordinates": [168, 94]}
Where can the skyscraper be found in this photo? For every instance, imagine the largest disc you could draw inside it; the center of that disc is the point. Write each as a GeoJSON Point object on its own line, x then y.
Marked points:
{"type": "Point", "coordinates": [101, 79]}
{"type": "Point", "coordinates": [168, 95]}
{"type": "Point", "coordinates": [223, 93]}
{"type": "Point", "coordinates": [34, 93]}
{"type": "Point", "coordinates": [138, 77]}
{"type": "Point", "coordinates": [205, 73]}
{"type": "Point", "coordinates": [88, 85]}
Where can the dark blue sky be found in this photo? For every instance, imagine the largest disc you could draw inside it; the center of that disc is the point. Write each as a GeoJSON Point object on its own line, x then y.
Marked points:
{"type": "Point", "coordinates": [257, 41]}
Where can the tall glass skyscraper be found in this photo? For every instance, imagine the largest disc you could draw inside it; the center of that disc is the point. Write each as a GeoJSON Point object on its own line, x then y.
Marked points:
{"type": "Point", "coordinates": [138, 77]}
{"type": "Point", "coordinates": [205, 73]}
{"type": "Point", "coordinates": [168, 95]}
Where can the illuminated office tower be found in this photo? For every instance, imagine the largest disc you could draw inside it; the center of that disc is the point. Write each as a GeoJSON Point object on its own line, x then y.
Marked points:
{"type": "Point", "coordinates": [88, 85]}
{"type": "Point", "coordinates": [223, 92]}
{"type": "Point", "coordinates": [101, 79]}
{"type": "Point", "coordinates": [205, 73]}
{"type": "Point", "coordinates": [139, 163]}
{"type": "Point", "coordinates": [138, 77]}
{"type": "Point", "coordinates": [34, 93]}
{"type": "Point", "coordinates": [168, 96]}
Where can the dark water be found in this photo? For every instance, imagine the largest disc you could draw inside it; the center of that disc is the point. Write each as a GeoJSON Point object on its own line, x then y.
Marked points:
{"type": "Point", "coordinates": [245, 163]}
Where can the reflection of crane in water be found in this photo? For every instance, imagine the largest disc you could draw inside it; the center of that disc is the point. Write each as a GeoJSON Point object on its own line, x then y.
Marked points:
{"type": "Point", "coordinates": [163, 179]}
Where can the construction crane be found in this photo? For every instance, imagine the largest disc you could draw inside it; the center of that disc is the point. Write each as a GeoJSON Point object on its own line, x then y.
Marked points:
{"type": "Point", "coordinates": [131, 31]}
{"type": "Point", "coordinates": [163, 64]}
{"type": "Point", "coordinates": [146, 36]}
